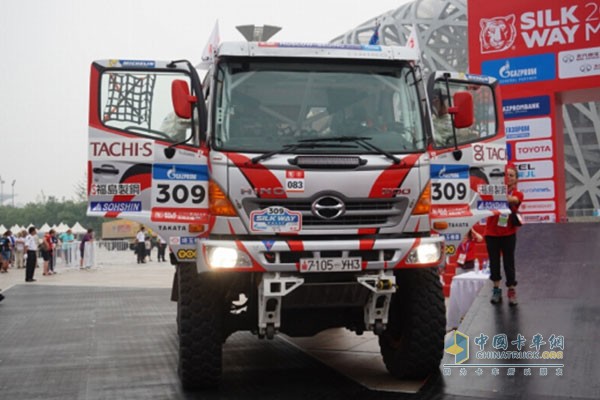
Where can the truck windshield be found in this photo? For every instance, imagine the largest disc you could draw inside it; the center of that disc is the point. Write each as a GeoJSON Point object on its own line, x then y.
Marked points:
{"type": "Point", "coordinates": [268, 106]}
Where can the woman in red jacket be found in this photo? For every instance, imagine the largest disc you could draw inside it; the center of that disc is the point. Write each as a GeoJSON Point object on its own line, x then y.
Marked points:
{"type": "Point", "coordinates": [501, 239]}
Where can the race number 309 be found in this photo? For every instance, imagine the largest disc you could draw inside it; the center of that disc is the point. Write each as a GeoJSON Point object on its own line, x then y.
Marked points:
{"type": "Point", "coordinates": [448, 191]}
{"type": "Point", "coordinates": [180, 194]}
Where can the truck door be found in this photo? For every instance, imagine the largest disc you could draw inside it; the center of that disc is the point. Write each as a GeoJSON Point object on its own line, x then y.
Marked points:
{"type": "Point", "coordinates": [145, 162]}
{"type": "Point", "coordinates": [467, 162]}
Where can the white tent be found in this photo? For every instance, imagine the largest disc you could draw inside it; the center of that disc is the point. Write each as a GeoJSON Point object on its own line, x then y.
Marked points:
{"type": "Point", "coordinates": [16, 229]}
{"type": "Point", "coordinates": [44, 228]}
{"type": "Point", "coordinates": [78, 229]}
{"type": "Point", "coordinates": [2, 229]}
{"type": "Point", "coordinates": [62, 227]}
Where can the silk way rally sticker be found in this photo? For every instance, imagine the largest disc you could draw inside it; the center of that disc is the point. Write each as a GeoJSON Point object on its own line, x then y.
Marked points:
{"type": "Point", "coordinates": [275, 219]}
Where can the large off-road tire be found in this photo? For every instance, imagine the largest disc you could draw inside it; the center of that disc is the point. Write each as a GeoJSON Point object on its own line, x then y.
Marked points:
{"type": "Point", "coordinates": [413, 343]}
{"type": "Point", "coordinates": [200, 326]}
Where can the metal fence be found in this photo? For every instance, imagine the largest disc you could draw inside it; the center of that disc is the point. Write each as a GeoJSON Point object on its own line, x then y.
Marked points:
{"type": "Point", "coordinates": [96, 253]}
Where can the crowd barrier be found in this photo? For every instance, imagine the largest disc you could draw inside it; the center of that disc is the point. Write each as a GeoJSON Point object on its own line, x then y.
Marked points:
{"type": "Point", "coordinates": [96, 253]}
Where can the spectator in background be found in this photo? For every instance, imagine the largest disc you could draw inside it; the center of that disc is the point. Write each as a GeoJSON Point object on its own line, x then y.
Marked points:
{"type": "Point", "coordinates": [148, 247]}
{"type": "Point", "coordinates": [31, 248]}
{"type": "Point", "coordinates": [87, 238]}
{"type": "Point", "coordinates": [20, 249]}
{"type": "Point", "coordinates": [162, 246]}
{"type": "Point", "coordinates": [140, 247]}
{"type": "Point", "coordinates": [5, 250]}
{"type": "Point", "coordinates": [67, 238]}
{"type": "Point", "coordinates": [47, 251]}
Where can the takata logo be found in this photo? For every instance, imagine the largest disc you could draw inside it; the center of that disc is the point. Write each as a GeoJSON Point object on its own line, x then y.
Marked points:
{"type": "Point", "coordinates": [497, 34]}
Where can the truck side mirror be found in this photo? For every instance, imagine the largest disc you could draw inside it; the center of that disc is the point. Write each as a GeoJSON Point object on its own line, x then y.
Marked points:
{"type": "Point", "coordinates": [462, 109]}
{"type": "Point", "coordinates": [182, 99]}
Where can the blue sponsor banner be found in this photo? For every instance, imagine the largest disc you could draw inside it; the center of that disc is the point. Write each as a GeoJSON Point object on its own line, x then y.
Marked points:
{"type": "Point", "coordinates": [187, 240]}
{"type": "Point", "coordinates": [526, 107]}
{"type": "Point", "coordinates": [449, 171]}
{"type": "Point", "coordinates": [510, 71]}
{"type": "Point", "coordinates": [492, 205]}
{"type": "Point", "coordinates": [180, 172]}
{"type": "Point", "coordinates": [116, 206]}
{"type": "Point", "coordinates": [452, 237]}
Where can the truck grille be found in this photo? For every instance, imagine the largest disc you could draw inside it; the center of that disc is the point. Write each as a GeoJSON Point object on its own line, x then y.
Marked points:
{"type": "Point", "coordinates": [358, 213]}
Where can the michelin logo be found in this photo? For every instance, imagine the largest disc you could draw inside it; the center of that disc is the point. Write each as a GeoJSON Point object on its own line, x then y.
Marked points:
{"type": "Point", "coordinates": [118, 206]}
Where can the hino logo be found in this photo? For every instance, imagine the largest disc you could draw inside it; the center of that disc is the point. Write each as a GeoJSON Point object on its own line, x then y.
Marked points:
{"type": "Point", "coordinates": [328, 207]}
{"type": "Point", "coordinates": [262, 191]}
{"type": "Point", "coordinates": [395, 191]}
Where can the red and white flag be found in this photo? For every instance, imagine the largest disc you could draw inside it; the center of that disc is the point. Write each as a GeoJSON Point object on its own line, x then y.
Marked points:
{"type": "Point", "coordinates": [208, 54]}
{"type": "Point", "coordinates": [412, 42]}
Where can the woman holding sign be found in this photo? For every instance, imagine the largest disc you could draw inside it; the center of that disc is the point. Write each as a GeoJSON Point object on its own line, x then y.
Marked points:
{"type": "Point", "coordinates": [501, 239]}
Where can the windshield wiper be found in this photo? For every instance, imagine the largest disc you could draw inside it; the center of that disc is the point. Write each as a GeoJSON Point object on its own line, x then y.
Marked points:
{"type": "Point", "coordinates": [360, 140]}
{"type": "Point", "coordinates": [302, 144]}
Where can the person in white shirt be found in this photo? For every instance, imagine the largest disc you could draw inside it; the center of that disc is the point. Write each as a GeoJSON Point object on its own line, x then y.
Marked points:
{"type": "Point", "coordinates": [31, 247]}
{"type": "Point", "coordinates": [140, 247]}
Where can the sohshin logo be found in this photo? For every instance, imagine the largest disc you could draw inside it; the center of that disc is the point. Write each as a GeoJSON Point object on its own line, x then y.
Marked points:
{"type": "Point", "coordinates": [497, 34]}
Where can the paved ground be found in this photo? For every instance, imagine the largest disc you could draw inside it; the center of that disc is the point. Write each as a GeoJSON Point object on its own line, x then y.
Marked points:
{"type": "Point", "coordinates": [109, 333]}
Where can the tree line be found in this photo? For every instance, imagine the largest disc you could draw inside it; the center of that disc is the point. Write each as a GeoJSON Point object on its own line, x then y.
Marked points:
{"type": "Point", "coordinates": [51, 211]}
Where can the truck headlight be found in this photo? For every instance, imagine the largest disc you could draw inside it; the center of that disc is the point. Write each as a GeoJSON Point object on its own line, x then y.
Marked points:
{"type": "Point", "coordinates": [426, 253]}
{"type": "Point", "coordinates": [227, 257]}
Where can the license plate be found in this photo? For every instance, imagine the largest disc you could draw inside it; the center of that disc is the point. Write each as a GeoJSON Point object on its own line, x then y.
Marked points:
{"type": "Point", "coordinates": [330, 264]}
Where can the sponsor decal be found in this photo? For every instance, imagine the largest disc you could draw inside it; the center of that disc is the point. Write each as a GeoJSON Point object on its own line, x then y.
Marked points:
{"type": "Point", "coordinates": [450, 249]}
{"type": "Point", "coordinates": [180, 172]}
{"type": "Point", "coordinates": [532, 128]}
{"type": "Point", "coordinates": [497, 34]}
{"type": "Point", "coordinates": [275, 219]}
{"type": "Point", "coordinates": [452, 237]}
{"type": "Point", "coordinates": [537, 190]}
{"type": "Point", "coordinates": [449, 171]}
{"type": "Point", "coordinates": [186, 240]}
{"type": "Point", "coordinates": [294, 181]}
{"type": "Point", "coordinates": [309, 45]}
{"type": "Point", "coordinates": [137, 63]}
{"type": "Point", "coordinates": [117, 206]}
{"type": "Point", "coordinates": [491, 190]}
{"type": "Point", "coordinates": [533, 149]}
{"type": "Point", "coordinates": [194, 215]}
{"type": "Point", "coordinates": [526, 107]}
{"type": "Point", "coordinates": [489, 153]}
{"type": "Point", "coordinates": [478, 78]}
{"type": "Point", "coordinates": [446, 211]}
{"type": "Point", "coordinates": [539, 218]}
{"type": "Point", "coordinates": [186, 254]}
{"type": "Point", "coordinates": [268, 244]}
{"type": "Point", "coordinates": [492, 205]}
{"type": "Point", "coordinates": [535, 170]}
{"type": "Point", "coordinates": [537, 68]}
{"type": "Point", "coordinates": [113, 189]}
{"type": "Point", "coordinates": [173, 228]}
{"type": "Point", "coordinates": [123, 149]}
{"type": "Point", "coordinates": [458, 224]}
{"type": "Point", "coordinates": [537, 206]}
{"type": "Point", "coordinates": [579, 63]}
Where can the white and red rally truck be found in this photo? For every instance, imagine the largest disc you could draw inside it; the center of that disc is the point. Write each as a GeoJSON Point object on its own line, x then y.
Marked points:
{"type": "Point", "coordinates": [300, 187]}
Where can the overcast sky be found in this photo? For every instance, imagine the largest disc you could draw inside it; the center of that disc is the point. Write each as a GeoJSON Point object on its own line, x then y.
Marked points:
{"type": "Point", "coordinates": [47, 46]}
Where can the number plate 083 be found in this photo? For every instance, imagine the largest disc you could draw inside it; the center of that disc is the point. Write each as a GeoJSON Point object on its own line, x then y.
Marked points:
{"type": "Point", "coordinates": [330, 264]}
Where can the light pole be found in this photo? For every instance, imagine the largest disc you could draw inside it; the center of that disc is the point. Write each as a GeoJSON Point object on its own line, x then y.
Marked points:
{"type": "Point", "coordinates": [13, 192]}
